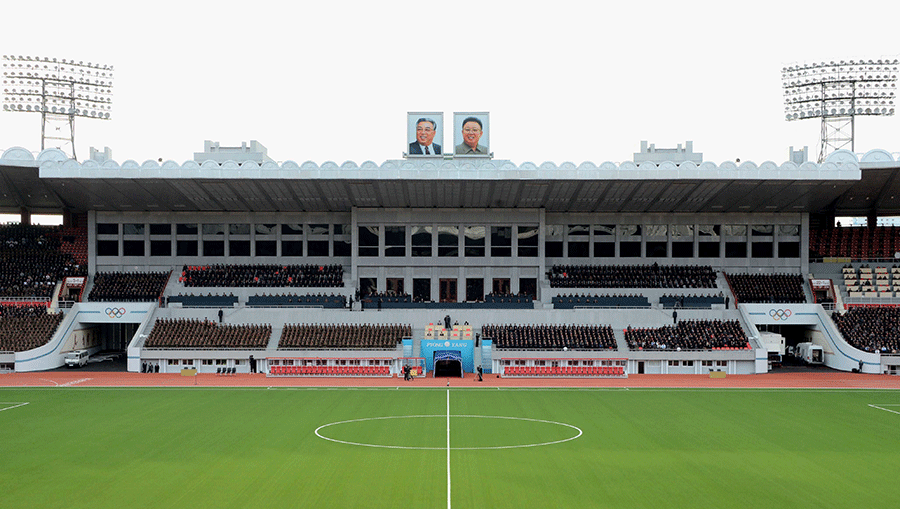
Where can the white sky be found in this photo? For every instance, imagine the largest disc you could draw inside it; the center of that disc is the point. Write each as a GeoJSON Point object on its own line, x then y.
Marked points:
{"type": "Point", "coordinates": [562, 80]}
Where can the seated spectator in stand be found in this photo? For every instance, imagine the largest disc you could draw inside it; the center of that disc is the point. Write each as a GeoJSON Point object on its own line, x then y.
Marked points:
{"type": "Point", "coordinates": [871, 329]}
{"type": "Point", "coordinates": [343, 335]}
{"type": "Point", "coordinates": [294, 276]}
{"type": "Point", "coordinates": [200, 334]}
{"type": "Point", "coordinates": [688, 335]}
{"type": "Point", "coordinates": [631, 276]}
{"type": "Point", "coordinates": [767, 288]}
{"type": "Point", "coordinates": [25, 328]}
{"type": "Point", "coordinates": [32, 262]}
{"type": "Point", "coordinates": [550, 337]}
{"type": "Point", "coordinates": [128, 286]}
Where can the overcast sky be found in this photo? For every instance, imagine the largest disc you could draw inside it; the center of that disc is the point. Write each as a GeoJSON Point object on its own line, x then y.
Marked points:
{"type": "Point", "coordinates": [562, 80]}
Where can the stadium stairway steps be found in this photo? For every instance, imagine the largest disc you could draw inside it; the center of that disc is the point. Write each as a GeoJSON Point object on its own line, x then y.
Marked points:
{"type": "Point", "coordinates": [621, 344]}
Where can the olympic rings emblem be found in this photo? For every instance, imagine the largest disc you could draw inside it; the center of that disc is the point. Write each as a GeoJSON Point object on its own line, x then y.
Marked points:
{"type": "Point", "coordinates": [116, 312]}
{"type": "Point", "coordinates": [780, 314]}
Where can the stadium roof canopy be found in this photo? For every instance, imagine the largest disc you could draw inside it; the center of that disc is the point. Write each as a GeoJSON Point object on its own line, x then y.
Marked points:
{"type": "Point", "coordinates": [846, 184]}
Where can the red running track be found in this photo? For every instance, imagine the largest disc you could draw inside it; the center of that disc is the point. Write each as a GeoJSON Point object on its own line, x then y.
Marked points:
{"type": "Point", "coordinates": [83, 378]}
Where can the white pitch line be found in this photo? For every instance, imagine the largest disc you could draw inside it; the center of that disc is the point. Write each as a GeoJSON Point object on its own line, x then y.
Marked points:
{"type": "Point", "coordinates": [448, 448]}
{"type": "Point", "coordinates": [15, 405]}
{"type": "Point", "coordinates": [885, 409]}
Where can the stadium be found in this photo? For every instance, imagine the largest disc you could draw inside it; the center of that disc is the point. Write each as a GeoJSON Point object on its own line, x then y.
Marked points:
{"type": "Point", "coordinates": [629, 321]}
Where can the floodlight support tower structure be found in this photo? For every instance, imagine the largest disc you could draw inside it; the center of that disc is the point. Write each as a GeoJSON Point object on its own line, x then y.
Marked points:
{"type": "Point", "coordinates": [837, 92]}
{"type": "Point", "coordinates": [59, 90]}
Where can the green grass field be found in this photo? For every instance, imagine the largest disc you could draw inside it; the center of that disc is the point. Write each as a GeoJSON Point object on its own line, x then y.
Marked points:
{"type": "Point", "coordinates": [223, 448]}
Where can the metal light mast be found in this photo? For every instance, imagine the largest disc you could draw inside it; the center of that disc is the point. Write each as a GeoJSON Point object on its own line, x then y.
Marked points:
{"type": "Point", "coordinates": [837, 92]}
{"type": "Point", "coordinates": [59, 90]}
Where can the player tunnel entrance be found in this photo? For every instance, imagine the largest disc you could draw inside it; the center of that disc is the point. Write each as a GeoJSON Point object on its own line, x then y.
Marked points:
{"type": "Point", "coordinates": [448, 363]}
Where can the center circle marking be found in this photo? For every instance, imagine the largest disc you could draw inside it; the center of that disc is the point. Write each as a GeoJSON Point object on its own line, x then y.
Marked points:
{"type": "Point", "coordinates": [381, 446]}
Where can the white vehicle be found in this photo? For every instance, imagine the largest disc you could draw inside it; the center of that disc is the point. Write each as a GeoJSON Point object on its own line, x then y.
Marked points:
{"type": "Point", "coordinates": [77, 358]}
{"type": "Point", "coordinates": [810, 353]}
{"type": "Point", "coordinates": [774, 344]}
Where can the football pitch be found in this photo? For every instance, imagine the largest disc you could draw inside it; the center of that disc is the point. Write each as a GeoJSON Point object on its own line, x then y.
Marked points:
{"type": "Point", "coordinates": [437, 447]}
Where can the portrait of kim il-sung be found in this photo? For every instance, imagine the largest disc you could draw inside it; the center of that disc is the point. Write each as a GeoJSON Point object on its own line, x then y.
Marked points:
{"type": "Point", "coordinates": [424, 133]}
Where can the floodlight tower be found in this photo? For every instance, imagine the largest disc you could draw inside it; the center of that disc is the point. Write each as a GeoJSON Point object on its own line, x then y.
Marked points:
{"type": "Point", "coordinates": [837, 92]}
{"type": "Point", "coordinates": [59, 90]}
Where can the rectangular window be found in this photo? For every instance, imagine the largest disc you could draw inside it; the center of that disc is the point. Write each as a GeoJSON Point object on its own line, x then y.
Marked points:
{"type": "Point", "coordinates": [579, 230]}
{"type": "Point", "coordinates": [342, 248]}
{"type": "Point", "coordinates": [682, 249]}
{"type": "Point", "coordinates": [133, 248]}
{"type": "Point", "coordinates": [394, 241]}
{"type": "Point", "coordinates": [501, 241]}
{"type": "Point", "coordinates": [762, 250]}
{"type": "Point", "coordinates": [656, 250]}
{"type": "Point", "coordinates": [708, 250]}
{"type": "Point", "coordinates": [789, 250]}
{"type": "Point", "coordinates": [368, 240]}
{"type": "Point", "coordinates": [292, 229]}
{"type": "Point", "coordinates": [474, 241]}
{"type": "Point", "coordinates": [448, 241]}
{"type": "Point", "coordinates": [421, 240]}
{"type": "Point", "coordinates": [213, 230]}
{"type": "Point", "coordinates": [528, 241]}
{"type": "Point", "coordinates": [317, 247]}
{"type": "Point", "coordinates": [656, 230]}
{"type": "Point", "coordinates": [318, 229]}
{"type": "Point", "coordinates": [160, 248]}
{"type": "Point", "coordinates": [239, 248]}
{"type": "Point", "coordinates": [682, 230]}
{"type": "Point", "coordinates": [630, 230]}
{"type": "Point", "coordinates": [266, 248]}
{"type": "Point", "coordinates": [239, 229]}
{"type": "Point", "coordinates": [789, 230]}
{"type": "Point", "coordinates": [133, 228]}
{"type": "Point", "coordinates": [762, 230]}
{"type": "Point", "coordinates": [735, 250]}
{"type": "Point", "coordinates": [604, 230]}
{"type": "Point", "coordinates": [291, 248]}
{"type": "Point", "coordinates": [160, 229]}
{"type": "Point", "coordinates": [709, 230]}
{"type": "Point", "coordinates": [604, 249]}
{"type": "Point", "coordinates": [265, 229]}
{"type": "Point", "coordinates": [213, 248]}
{"type": "Point", "coordinates": [186, 229]}
{"type": "Point", "coordinates": [107, 248]}
{"type": "Point", "coordinates": [578, 249]}
{"type": "Point", "coordinates": [735, 230]}
{"type": "Point", "coordinates": [630, 249]}
{"type": "Point", "coordinates": [107, 229]}
{"type": "Point", "coordinates": [553, 249]}
{"type": "Point", "coordinates": [186, 248]}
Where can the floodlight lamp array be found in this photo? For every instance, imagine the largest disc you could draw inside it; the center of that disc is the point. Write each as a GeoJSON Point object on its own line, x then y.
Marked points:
{"type": "Point", "coordinates": [57, 86]}
{"type": "Point", "coordinates": [840, 89]}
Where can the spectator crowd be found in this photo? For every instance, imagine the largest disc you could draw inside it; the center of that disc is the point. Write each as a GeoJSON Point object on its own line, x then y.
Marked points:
{"type": "Point", "coordinates": [128, 286]}
{"type": "Point", "coordinates": [343, 335]}
{"type": "Point", "coordinates": [632, 276]}
{"type": "Point", "coordinates": [550, 337]}
{"type": "Point", "coordinates": [767, 288]}
{"type": "Point", "coordinates": [871, 329]}
{"type": "Point", "coordinates": [234, 276]}
{"type": "Point", "coordinates": [31, 262]}
{"type": "Point", "coordinates": [26, 327]}
{"type": "Point", "coordinates": [194, 333]}
{"type": "Point", "coordinates": [688, 335]}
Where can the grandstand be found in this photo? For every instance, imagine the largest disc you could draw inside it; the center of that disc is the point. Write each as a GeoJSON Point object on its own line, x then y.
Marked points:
{"type": "Point", "coordinates": [525, 270]}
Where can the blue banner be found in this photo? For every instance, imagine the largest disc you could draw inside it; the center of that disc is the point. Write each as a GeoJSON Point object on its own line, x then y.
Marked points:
{"type": "Point", "coordinates": [464, 347]}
